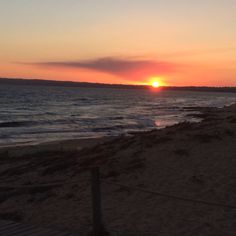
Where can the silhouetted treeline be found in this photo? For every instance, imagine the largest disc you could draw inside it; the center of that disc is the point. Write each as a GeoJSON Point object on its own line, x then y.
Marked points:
{"type": "Point", "coordinates": [33, 82]}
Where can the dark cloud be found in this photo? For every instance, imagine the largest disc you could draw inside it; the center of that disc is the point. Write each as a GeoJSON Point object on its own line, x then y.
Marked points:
{"type": "Point", "coordinates": [116, 66]}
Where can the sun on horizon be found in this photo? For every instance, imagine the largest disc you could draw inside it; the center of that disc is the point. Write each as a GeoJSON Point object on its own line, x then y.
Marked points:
{"type": "Point", "coordinates": [155, 82]}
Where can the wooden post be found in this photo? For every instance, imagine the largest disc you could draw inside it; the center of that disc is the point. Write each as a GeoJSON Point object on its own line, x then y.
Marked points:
{"type": "Point", "coordinates": [98, 228]}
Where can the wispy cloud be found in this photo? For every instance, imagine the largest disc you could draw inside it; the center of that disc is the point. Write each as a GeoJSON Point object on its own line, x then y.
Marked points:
{"type": "Point", "coordinates": [116, 66]}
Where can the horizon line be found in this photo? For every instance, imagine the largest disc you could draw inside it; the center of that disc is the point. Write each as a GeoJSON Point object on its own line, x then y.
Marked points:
{"type": "Point", "coordinates": [110, 84]}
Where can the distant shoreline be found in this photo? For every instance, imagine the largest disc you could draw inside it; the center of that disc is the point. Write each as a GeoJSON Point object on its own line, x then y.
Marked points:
{"type": "Point", "coordinates": [33, 82]}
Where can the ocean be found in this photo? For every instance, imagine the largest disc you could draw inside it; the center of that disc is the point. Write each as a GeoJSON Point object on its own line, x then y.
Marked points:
{"type": "Point", "coordinates": [36, 114]}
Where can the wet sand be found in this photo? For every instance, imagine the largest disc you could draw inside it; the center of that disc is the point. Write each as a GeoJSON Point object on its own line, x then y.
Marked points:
{"type": "Point", "coordinates": [51, 187]}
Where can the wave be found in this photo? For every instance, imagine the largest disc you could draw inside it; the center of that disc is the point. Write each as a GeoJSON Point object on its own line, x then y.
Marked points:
{"type": "Point", "coordinates": [15, 124]}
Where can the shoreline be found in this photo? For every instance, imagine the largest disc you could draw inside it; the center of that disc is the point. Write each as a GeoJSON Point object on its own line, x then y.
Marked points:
{"type": "Point", "coordinates": [51, 145]}
{"type": "Point", "coordinates": [73, 145]}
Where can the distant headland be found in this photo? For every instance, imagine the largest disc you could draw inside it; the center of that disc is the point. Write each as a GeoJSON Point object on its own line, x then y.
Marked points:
{"type": "Point", "coordinates": [33, 82]}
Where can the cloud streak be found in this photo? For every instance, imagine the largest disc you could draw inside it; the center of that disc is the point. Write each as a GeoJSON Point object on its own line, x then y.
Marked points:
{"type": "Point", "coordinates": [117, 66]}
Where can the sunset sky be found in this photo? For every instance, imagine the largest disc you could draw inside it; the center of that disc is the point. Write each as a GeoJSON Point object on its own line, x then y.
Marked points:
{"type": "Point", "coordinates": [180, 42]}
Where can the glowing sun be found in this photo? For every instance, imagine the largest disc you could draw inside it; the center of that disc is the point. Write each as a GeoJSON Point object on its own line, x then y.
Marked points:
{"type": "Point", "coordinates": [155, 84]}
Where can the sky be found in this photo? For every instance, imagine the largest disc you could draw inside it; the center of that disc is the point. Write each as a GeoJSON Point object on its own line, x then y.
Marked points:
{"type": "Point", "coordinates": [177, 42]}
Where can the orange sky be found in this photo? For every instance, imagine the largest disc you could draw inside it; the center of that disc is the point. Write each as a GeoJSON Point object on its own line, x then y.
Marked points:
{"type": "Point", "coordinates": [182, 42]}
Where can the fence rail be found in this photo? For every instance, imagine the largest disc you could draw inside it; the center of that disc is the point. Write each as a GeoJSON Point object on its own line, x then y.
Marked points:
{"type": "Point", "coordinates": [96, 180]}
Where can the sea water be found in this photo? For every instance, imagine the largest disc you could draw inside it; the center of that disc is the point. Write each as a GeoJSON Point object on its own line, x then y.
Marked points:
{"type": "Point", "coordinates": [35, 114]}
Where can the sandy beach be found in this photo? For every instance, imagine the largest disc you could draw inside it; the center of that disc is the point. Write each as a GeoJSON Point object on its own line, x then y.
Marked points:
{"type": "Point", "coordinates": [49, 184]}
